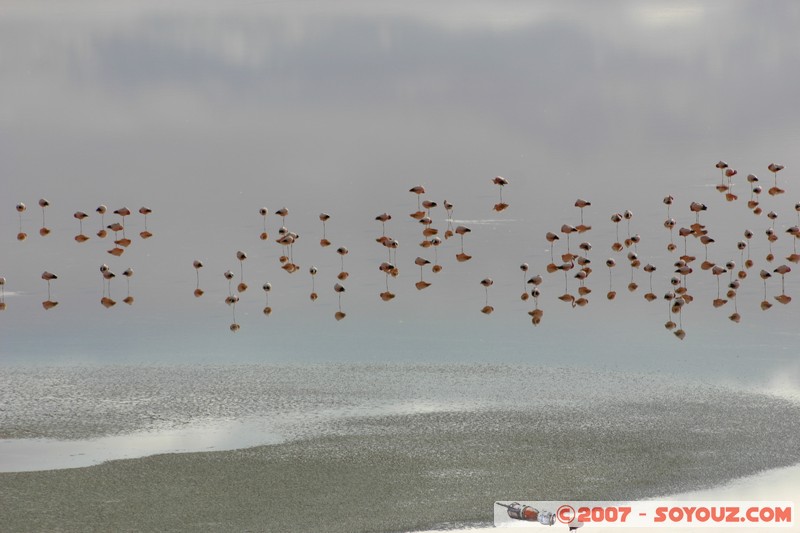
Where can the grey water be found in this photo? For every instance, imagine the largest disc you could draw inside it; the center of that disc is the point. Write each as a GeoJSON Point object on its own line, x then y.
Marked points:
{"type": "Point", "coordinates": [59, 417]}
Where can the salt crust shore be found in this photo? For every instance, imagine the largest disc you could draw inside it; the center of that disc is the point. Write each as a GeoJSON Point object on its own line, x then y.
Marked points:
{"type": "Point", "coordinates": [407, 473]}
{"type": "Point", "coordinates": [780, 484]}
{"type": "Point", "coordinates": [528, 434]}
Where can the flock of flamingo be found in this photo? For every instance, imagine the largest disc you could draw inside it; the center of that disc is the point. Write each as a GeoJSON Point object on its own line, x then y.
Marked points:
{"type": "Point", "coordinates": [682, 268]}
{"type": "Point", "coordinates": [120, 245]}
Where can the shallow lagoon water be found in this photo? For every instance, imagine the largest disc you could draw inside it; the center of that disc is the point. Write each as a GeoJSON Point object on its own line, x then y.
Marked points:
{"type": "Point", "coordinates": [26, 455]}
{"type": "Point", "coordinates": [403, 436]}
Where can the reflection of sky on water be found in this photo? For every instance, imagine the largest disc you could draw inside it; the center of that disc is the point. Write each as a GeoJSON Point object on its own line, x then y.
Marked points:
{"type": "Point", "coordinates": [65, 417]}
{"type": "Point", "coordinates": [33, 454]}
{"type": "Point", "coordinates": [206, 113]}
{"type": "Point", "coordinates": [26, 455]}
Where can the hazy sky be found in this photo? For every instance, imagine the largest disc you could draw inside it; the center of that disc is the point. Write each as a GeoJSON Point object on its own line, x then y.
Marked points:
{"type": "Point", "coordinates": [207, 111]}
